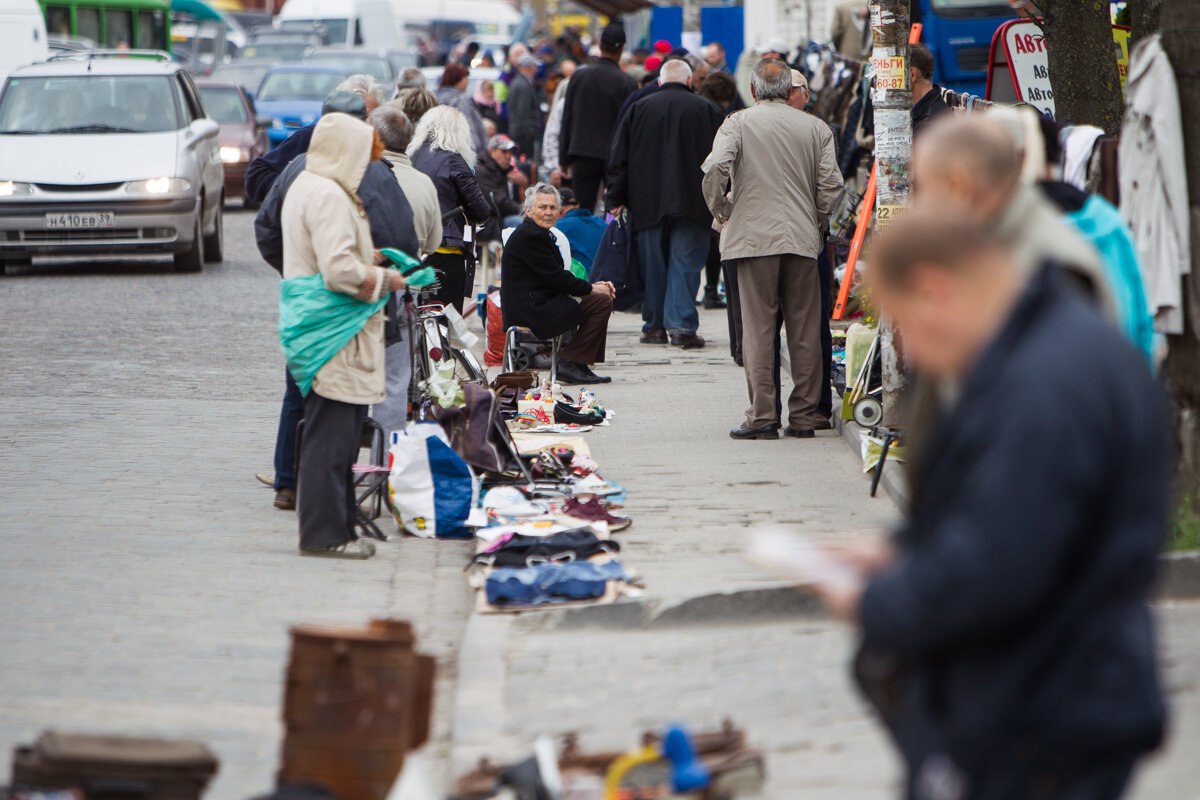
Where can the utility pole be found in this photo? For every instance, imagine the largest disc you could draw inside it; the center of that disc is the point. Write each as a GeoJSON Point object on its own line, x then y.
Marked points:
{"type": "Point", "coordinates": [691, 27]}
{"type": "Point", "coordinates": [1181, 42]}
{"type": "Point", "coordinates": [892, 100]}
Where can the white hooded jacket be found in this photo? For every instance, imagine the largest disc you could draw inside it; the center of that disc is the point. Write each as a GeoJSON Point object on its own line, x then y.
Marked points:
{"type": "Point", "coordinates": [325, 230]}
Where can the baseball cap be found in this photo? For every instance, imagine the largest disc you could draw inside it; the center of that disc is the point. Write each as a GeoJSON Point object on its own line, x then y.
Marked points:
{"type": "Point", "coordinates": [798, 80]}
{"type": "Point", "coordinates": [501, 142]}
{"type": "Point", "coordinates": [568, 198]}
{"type": "Point", "coordinates": [652, 63]}
{"type": "Point", "coordinates": [338, 102]}
{"type": "Point", "coordinates": [662, 47]}
{"type": "Point", "coordinates": [612, 36]}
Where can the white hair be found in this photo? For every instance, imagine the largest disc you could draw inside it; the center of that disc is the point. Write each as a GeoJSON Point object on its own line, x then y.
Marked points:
{"type": "Point", "coordinates": [541, 188]}
{"type": "Point", "coordinates": [677, 71]}
{"type": "Point", "coordinates": [445, 128]}
{"type": "Point", "coordinates": [364, 86]}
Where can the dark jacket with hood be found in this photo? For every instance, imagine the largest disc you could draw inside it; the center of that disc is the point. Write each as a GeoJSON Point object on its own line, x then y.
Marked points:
{"type": "Point", "coordinates": [591, 109]}
{"type": "Point", "coordinates": [456, 187]}
{"type": "Point", "coordinates": [537, 292]}
{"type": "Point", "coordinates": [1013, 634]}
{"type": "Point", "coordinates": [654, 168]}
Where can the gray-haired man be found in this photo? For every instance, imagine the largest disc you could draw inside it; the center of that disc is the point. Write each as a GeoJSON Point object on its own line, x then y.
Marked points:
{"type": "Point", "coordinates": [772, 179]}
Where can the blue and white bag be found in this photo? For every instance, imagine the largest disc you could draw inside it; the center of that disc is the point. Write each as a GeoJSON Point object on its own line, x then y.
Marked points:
{"type": "Point", "coordinates": [432, 488]}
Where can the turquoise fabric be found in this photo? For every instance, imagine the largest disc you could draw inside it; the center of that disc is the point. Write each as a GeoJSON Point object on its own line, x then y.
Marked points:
{"type": "Point", "coordinates": [1102, 225]}
{"type": "Point", "coordinates": [315, 323]}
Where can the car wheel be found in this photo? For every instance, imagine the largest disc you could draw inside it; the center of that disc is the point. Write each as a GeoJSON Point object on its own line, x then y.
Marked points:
{"type": "Point", "coordinates": [192, 259]}
{"type": "Point", "coordinates": [214, 244]}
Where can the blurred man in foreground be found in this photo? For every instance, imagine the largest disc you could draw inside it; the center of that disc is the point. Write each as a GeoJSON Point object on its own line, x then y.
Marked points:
{"type": "Point", "coordinates": [1007, 641]}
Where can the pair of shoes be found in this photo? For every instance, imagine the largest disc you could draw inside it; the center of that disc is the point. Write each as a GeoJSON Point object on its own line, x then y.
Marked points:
{"type": "Point", "coordinates": [746, 432]}
{"type": "Point", "coordinates": [712, 299]}
{"type": "Point", "coordinates": [358, 549]}
{"type": "Point", "coordinates": [570, 415]}
{"type": "Point", "coordinates": [655, 336]}
{"type": "Point", "coordinates": [596, 510]}
{"type": "Point", "coordinates": [285, 499]}
{"type": "Point", "coordinates": [266, 478]}
{"type": "Point", "coordinates": [688, 341]}
{"type": "Point", "coordinates": [798, 433]}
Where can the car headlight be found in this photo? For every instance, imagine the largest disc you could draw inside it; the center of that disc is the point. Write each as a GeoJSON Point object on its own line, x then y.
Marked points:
{"type": "Point", "coordinates": [158, 186]}
{"type": "Point", "coordinates": [15, 189]}
{"type": "Point", "coordinates": [234, 155]}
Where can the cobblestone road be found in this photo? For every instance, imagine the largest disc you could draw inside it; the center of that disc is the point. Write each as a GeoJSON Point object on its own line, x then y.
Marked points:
{"type": "Point", "coordinates": [147, 582]}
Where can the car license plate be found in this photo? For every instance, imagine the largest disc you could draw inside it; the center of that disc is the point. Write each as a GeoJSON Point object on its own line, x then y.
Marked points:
{"type": "Point", "coordinates": [86, 219]}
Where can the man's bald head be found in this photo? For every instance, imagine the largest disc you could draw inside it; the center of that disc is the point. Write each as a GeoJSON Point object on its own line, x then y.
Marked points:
{"type": "Point", "coordinates": [675, 72]}
{"type": "Point", "coordinates": [968, 162]}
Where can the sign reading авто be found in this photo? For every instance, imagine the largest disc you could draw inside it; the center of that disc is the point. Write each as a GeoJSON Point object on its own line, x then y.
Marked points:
{"type": "Point", "coordinates": [1025, 46]}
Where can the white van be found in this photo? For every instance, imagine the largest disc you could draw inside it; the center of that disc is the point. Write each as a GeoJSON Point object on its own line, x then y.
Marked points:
{"type": "Point", "coordinates": [446, 22]}
{"type": "Point", "coordinates": [346, 23]}
{"type": "Point", "coordinates": [22, 35]}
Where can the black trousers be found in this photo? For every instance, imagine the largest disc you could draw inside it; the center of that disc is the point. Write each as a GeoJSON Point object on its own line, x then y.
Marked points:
{"type": "Point", "coordinates": [325, 493]}
{"type": "Point", "coordinates": [733, 311]}
{"type": "Point", "coordinates": [453, 269]}
{"type": "Point", "coordinates": [712, 265]}
{"type": "Point", "coordinates": [587, 175]}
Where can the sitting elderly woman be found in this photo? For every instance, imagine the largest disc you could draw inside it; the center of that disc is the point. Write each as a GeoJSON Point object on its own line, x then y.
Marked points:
{"type": "Point", "coordinates": [536, 292]}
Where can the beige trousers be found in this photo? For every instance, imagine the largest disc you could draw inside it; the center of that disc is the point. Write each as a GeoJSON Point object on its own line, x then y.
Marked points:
{"type": "Point", "coordinates": [766, 285]}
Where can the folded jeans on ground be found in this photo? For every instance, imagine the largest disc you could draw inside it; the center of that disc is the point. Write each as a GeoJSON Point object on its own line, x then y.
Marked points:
{"type": "Point", "coordinates": [551, 583]}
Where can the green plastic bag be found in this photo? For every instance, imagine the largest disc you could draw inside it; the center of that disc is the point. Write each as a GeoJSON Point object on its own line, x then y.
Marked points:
{"type": "Point", "coordinates": [315, 323]}
{"type": "Point", "coordinates": [578, 269]}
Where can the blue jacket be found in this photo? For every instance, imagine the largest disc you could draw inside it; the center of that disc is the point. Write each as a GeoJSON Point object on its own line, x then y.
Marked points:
{"type": "Point", "coordinates": [264, 170]}
{"type": "Point", "coordinates": [1013, 634]}
{"type": "Point", "coordinates": [583, 230]}
{"type": "Point", "coordinates": [1102, 225]}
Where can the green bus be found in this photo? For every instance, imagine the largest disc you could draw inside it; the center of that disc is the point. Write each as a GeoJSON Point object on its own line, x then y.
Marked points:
{"type": "Point", "coordinates": [114, 24]}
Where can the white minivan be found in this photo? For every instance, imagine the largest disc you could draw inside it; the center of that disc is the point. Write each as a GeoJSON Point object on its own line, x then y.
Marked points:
{"type": "Point", "coordinates": [346, 23]}
{"type": "Point", "coordinates": [22, 35]}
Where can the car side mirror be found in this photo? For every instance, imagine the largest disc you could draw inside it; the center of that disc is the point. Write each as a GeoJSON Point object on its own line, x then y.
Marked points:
{"type": "Point", "coordinates": [204, 129]}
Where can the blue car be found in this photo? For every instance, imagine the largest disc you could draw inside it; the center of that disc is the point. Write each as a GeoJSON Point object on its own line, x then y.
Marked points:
{"type": "Point", "coordinates": [292, 94]}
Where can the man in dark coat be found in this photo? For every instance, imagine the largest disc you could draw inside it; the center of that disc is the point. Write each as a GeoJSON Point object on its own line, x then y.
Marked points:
{"type": "Point", "coordinates": [590, 112]}
{"type": "Point", "coordinates": [524, 111]}
{"type": "Point", "coordinates": [928, 104]}
{"type": "Point", "coordinates": [1007, 637]}
{"type": "Point", "coordinates": [498, 180]}
{"type": "Point", "coordinates": [655, 171]}
{"type": "Point", "coordinates": [539, 293]}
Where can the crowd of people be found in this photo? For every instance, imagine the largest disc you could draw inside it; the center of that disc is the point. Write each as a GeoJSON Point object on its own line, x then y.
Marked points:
{"type": "Point", "coordinates": [1039, 500]}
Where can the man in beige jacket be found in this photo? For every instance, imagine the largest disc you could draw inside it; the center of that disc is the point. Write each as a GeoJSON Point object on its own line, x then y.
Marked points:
{"type": "Point", "coordinates": [325, 230]}
{"type": "Point", "coordinates": [783, 171]}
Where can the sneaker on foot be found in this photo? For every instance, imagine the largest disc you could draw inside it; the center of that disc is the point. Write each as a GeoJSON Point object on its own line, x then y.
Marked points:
{"type": "Point", "coordinates": [357, 549]}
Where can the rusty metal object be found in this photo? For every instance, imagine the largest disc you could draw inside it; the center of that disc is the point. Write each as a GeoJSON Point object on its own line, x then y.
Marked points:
{"type": "Point", "coordinates": [356, 701]}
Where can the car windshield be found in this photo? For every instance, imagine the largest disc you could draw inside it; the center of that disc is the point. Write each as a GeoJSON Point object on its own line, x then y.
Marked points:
{"type": "Point", "coordinates": [297, 86]}
{"type": "Point", "coordinates": [89, 104]}
{"type": "Point", "coordinates": [274, 51]}
{"type": "Point", "coordinates": [224, 105]}
{"type": "Point", "coordinates": [355, 65]}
